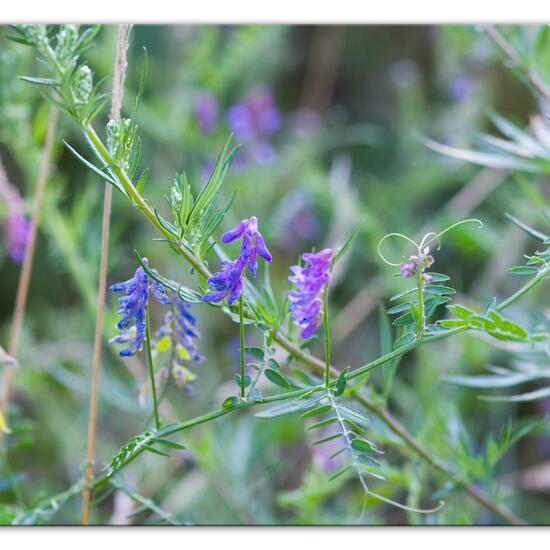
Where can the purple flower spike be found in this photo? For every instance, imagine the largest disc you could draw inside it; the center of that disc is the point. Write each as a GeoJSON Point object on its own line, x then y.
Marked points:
{"type": "Point", "coordinates": [132, 309]}
{"type": "Point", "coordinates": [228, 282]}
{"type": "Point", "coordinates": [305, 302]}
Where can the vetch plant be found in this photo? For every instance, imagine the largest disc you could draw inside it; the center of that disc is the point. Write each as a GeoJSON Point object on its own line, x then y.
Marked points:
{"type": "Point", "coordinates": [322, 394]}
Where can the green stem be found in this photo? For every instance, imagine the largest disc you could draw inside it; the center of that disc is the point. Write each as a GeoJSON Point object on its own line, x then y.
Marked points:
{"type": "Point", "coordinates": [327, 338]}
{"type": "Point", "coordinates": [241, 338]}
{"type": "Point", "coordinates": [151, 366]}
{"type": "Point", "coordinates": [420, 287]}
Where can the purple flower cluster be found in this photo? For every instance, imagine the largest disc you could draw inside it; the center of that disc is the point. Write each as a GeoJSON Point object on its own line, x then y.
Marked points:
{"type": "Point", "coordinates": [305, 302]}
{"type": "Point", "coordinates": [253, 121]}
{"type": "Point", "coordinates": [417, 264]}
{"type": "Point", "coordinates": [17, 226]}
{"type": "Point", "coordinates": [206, 112]}
{"type": "Point", "coordinates": [228, 282]}
{"type": "Point", "coordinates": [132, 307]}
{"type": "Point", "coordinates": [180, 327]}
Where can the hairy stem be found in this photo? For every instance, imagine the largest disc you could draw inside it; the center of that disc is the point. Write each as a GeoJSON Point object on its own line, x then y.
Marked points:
{"type": "Point", "coordinates": [116, 104]}
{"type": "Point", "coordinates": [26, 270]}
{"type": "Point", "coordinates": [420, 287]}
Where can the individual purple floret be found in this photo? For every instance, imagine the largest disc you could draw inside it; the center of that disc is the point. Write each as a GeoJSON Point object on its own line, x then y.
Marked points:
{"type": "Point", "coordinates": [305, 302]}
{"type": "Point", "coordinates": [132, 307]}
{"type": "Point", "coordinates": [253, 121]}
{"type": "Point", "coordinates": [17, 230]}
{"type": "Point", "coordinates": [253, 243]}
{"type": "Point", "coordinates": [228, 282]}
{"type": "Point", "coordinates": [206, 111]}
{"type": "Point", "coordinates": [418, 264]}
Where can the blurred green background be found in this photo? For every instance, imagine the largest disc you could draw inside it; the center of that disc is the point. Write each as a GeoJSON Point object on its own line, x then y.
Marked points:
{"type": "Point", "coordinates": [355, 104]}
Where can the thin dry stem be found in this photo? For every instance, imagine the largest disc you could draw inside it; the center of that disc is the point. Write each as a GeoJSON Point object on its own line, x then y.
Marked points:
{"type": "Point", "coordinates": [26, 270]}
{"type": "Point", "coordinates": [116, 104]}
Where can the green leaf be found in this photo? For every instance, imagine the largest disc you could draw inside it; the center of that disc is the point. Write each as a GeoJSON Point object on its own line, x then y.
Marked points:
{"type": "Point", "coordinates": [247, 380]}
{"type": "Point", "coordinates": [438, 277]}
{"type": "Point", "coordinates": [287, 408]}
{"type": "Point", "coordinates": [439, 289]}
{"type": "Point", "coordinates": [39, 81]}
{"type": "Point", "coordinates": [533, 232]}
{"type": "Point", "coordinates": [277, 378]}
{"type": "Point", "coordinates": [257, 353]}
{"type": "Point", "coordinates": [453, 323]}
{"type": "Point", "coordinates": [328, 438]}
{"type": "Point", "coordinates": [361, 445]}
{"type": "Point", "coordinates": [404, 340]}
{"type": "Point", "coordinates": [461, 311]}
{"type": "Point", "coordinates": [156, 451]}
{"type": "Point", "coordinates": [322, 423]}
{"type": "Point", "coordinates": [273, 363]}
{"type": "Point", "coordinates": [230, 401]}
{"type": "Point", "coordinates": [340, 385]}
{"type": "Point", "coordinates": [316, 411]}
{"type": "Point", "coordinates": [168, 443]}
{"type": "Point", "coordinates": [523, 270]}
{"type": "Point", "coordinates": [339, 473]}
{"type": "Point", "coordinates": [401, 294]}
{"type": "Point", "coordinates": [490, 380]}
{"type": "Point", "coordinates": [342, 250]}
{"type": "Point", "coordinates": [400, 308]}
{"type": "Point", "coordinates": [369, 461]}
{"type": "Point", "coordinates": [541, 393]}
{"type": "Point", "coordinates": [484, 159]}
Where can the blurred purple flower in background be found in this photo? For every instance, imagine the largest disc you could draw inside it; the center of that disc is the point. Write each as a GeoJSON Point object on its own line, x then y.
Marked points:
{"type": "Point", "coordinates": [17, 230]}
{"type": "Point", "coordinates": [16, 225]}
{"type": "Point", "coordinates": [305, 302]}
{"type": "Point", "coordinates": [253, 121]}
{"type": "Point", "coordinates": [461, 88]}
{"type": "Point", "coordinates": [132, 307]}
{"type": "Point", "coordinates": [206, 111]}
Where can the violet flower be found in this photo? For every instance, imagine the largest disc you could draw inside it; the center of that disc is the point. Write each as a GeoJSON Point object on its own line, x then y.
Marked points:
{"type": "Point", "coordinates": [305, 302]}
{"type": "Point", "coordinates": [417, 264]}
{"type": "Point", "coordinates": [132, 307]}
{"type": "Point", "coordinates": [16, 224]}
{"type": "Point", "coordinates": [228, 282]}
{"type": "Point", "coordinates": [253, 121]}
{"type": "Point", "coordinates": [17, 230]}
{"type": "Point", "coordinates": [206, 111]}
{"type": "Point", "coordinates": [253, 243]}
